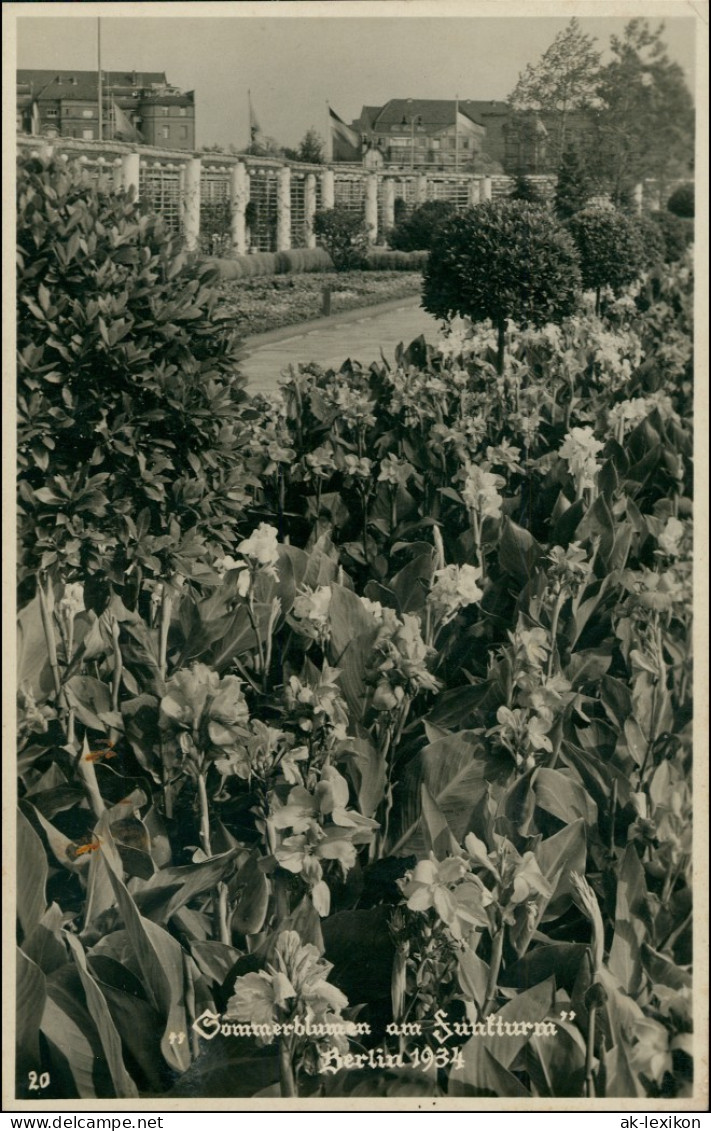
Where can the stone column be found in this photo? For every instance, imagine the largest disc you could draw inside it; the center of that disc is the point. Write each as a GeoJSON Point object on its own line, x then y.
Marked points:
{"type": "Point", "coordinates": [239, 193]}
{"type": "Point", "coordinates": [421, 189]}
{"type": "Point", "coordinates": [371, 206]}
{"type": "Point", "coordinates": [130, 172]}
{"type": "Point", "coordinates": [486, 188]}
{"type": "Point", "coordinates": [191, 203]}
{"type": "Point", "coordinates": [388, 203]}
{"type": "Point", "coordinates": [474, 191]}
{"type": "Point", "coordinates": [309, 208]}
{"type": "Point", "coordinates": [283, 236]}
{"type": "Point", "coordinates": [328, 191]}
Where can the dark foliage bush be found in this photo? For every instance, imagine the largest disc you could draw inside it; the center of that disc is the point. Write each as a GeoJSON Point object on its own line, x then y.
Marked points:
{"type": "Point", "coordinates": [610, 248]}
{"type": "Point", "coordinates": [573, 188]}
{"type": "Point", "coordinates": [417, 231]}
{"type": "Point", "coordinates": [677, 233]}
{"type": "Point", "coordinates": [128, 391]}
{"type": "Point", "coordinates": [344, 235]}
{"type": "Point", "coordinates": [500, 260]}
{"type": "Point", "coordinates": [384, 259]}
{"type": "Point", "coordinates": [652, 240]}
{"type": "Point", "coordinates": [681, 202]}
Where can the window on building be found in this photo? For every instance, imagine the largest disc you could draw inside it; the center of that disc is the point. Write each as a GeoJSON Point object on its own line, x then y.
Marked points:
{"type": "Point", "coordinates": [400, 141]}
{"type": "Point", "coordinates": [183, 133]}
{"type": "Point", "coordinates": [165, 132]}
{"type": "Point", "coordinates": [51, 113]}
{"type": "Point", "coordinates": [87, 134]}
{"type": "Point", "coordinates": [87, 113]}
{"type": "Point", "coordinates": [435, 143]}
{"type": "Point", "coordinates": [165, 111]}
{"type": "Point", "coordinates": [183, 112]}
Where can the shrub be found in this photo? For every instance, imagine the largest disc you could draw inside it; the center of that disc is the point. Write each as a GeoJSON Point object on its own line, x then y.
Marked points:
{"type": "Point", "coordinates": [417, 231]}
{"type": "Point", "coordinates": [677, 234]}
{"type": "Point", "coordinates": [344, 235]}
{"type": "Point", "coordinates": [500, 260]}
{"type": "Point", "coordinates": [526, 189]}
{"type": "Point", "coordinates": [681, 202]}
{"type": "Point", "coordinates": [128, 391]}
{"type": "Point", "coordinates": [573, 188]}
{"type": "Point", "coordinates": [652, 241]}
{"type": "Point", "coordinates": [300, 260]}
{"type": "Point", "coordinates": [383, 259]}
{"type": "Point", "coordinates": [609, 246]}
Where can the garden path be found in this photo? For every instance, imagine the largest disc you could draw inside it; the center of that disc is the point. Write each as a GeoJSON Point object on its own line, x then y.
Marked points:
{"type": "Point", "coordinates": [358, 334]}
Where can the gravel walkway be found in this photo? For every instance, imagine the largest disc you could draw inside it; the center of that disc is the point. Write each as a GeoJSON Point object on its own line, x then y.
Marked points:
{"type": "Point", "coordinates": [356, 334]}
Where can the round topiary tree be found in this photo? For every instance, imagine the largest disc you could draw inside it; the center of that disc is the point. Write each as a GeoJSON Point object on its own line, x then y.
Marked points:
{"type": "Point", "coordinates": [417, 231]}
{"type": "Point", "coordinates": [610, 248]}
{"type": "Point", "coordinates": [681, 202]}
{"type": "Point", "coordinates": [503, 259]}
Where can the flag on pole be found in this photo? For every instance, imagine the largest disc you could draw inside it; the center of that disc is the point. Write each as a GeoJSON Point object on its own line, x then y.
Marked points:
{"type": "Point", "coordinates": [346, 144]}
{"type": "Point", "coordinates": [124, 129]}
{"type": "Point", "coordinates": [256, 137]}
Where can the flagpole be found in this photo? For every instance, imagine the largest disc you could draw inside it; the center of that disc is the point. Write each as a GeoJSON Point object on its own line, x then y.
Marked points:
{"type": "Point", "coordinates": [100, 85]}
{"type": "Point", "coordinates": [456, 134]}
{"type": "Point", "coordinates": [329, 133]}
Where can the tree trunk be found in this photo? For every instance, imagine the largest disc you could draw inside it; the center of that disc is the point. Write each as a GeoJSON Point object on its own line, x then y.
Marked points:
{"type": "Point", "coordinates": [501, 342]}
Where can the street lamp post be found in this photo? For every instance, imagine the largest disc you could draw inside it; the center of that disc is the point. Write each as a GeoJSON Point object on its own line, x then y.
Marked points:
{"type": "Point", "coordinates": [411, 120]}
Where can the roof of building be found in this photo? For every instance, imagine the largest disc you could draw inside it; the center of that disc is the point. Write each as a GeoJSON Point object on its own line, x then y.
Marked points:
{"type": "Point", "coordinates": [431, 112]}
{"type": "Point", "coordinates": [78, 85]}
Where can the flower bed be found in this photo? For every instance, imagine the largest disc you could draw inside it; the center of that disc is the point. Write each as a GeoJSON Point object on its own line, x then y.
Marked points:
{"type": "Point", "coordinates": [258, 305]}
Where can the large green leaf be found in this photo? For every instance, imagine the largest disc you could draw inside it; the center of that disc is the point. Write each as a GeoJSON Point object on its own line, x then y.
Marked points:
{"type": "Point", "coordinates": [436, 833]}
{"type": "Point", "coordinates": [31, 995]}
{"type": "Point", "coordinates": [68, 1026]}
{"type": "Point", "coordinates": [411, 584]}
{"type": "Point", "coordinates": [171, 888]}
{"type": "Point", "coordinates": [33, 668]}
{"type": "Point", "coordinates": [518, 551]}
{"type": "Point", "coordinates": [630, 926]}
{"type": "Point", "coordinates": [160, 958]}
{"type": "Point", "coordinates": [45, 944]}
{"type": "Point", "coordinates": [558, 793]}
{"type": "Point", "coordinates": [349, 619]}
{"type": "Point", "coordinates": [456, 771]}
{"type": "Point", "coordinates": [483, 1075]}
{"type": "Point", "coordinates": [31, 876]}
{"type": "Point", "coordinates": [110, 1041]}
{"type": "Point", "coordinates": [561, 1061]}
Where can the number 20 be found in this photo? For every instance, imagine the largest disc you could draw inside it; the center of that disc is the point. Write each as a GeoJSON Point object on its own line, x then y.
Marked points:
{"type": "Point", "coordinates": [37, 1082]}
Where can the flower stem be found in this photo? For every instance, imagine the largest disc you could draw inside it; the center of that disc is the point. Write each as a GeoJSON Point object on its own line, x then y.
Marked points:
{"type": "Point", "coordinates": [222, 914]}
{"type": "Point", "coordinates": [590, 1055]}
{"type": "Point", "coordinates": [166, 609]}
{"type": "Point", "coordinates": [205, 842]}
{"type": "Point", "coordinates": [559, 602]}
{"type": "Point", "coordinates": [49, 637]}
{"type": "Point", "coordinates": [287, 1083]}
{"type": "Point", "coordinates": [497, 949]}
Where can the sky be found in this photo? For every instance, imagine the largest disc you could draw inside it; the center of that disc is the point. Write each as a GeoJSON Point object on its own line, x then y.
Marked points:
{"type": "Point", "coordinates": [295, 66]}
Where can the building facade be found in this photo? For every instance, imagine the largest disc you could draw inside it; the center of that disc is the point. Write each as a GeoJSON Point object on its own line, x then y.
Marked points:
{"type": "Point", "coordinates": [462, 135]}
{"type": "Point", "coordinates": [420, 134]}
{"type": "Point", "coordinates": [138, 106]}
